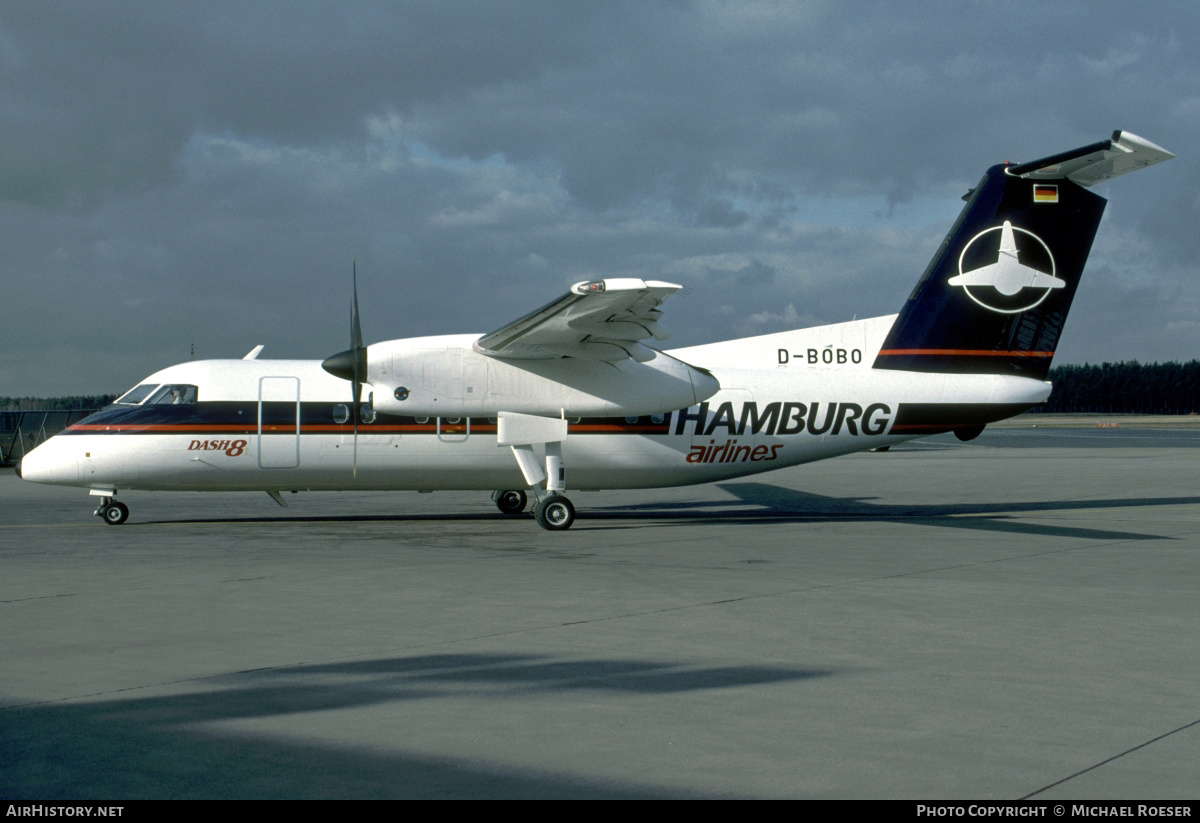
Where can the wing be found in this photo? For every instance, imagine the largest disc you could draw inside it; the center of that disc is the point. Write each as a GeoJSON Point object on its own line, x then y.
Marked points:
{"type": "Point", "coordinates": [1093, 164]}
{"type": "Point", "coordinates": [596, 320]}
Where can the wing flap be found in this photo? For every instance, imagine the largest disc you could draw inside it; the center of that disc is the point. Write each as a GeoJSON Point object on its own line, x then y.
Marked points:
{"type": "Point", "coordinates": [598, 319]}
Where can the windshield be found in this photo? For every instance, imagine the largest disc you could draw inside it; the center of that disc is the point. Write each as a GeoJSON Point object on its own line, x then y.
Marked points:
{"type": "Point", "coordinates": [136, 395]}
{"type": "Point", "coordinates": [173, 395]}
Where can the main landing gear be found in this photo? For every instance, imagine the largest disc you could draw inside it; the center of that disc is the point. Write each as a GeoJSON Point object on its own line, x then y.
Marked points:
{"type": "Point", "coordinates": [552, 511]}
{"type": "Point", "coordinates": [510, 501]}
{"type": "Point", "coordinates": [522, 432]}
{"type": "Point", "coordinates": [112, 512]}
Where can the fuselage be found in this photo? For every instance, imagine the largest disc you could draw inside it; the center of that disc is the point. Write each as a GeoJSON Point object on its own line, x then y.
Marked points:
{"type": "Point", "coordinates": [276, 425]}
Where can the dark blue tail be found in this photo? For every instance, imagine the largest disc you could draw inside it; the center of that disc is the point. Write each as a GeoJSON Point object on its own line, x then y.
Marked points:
{"type": "Point", "coordinates": [995, 296]}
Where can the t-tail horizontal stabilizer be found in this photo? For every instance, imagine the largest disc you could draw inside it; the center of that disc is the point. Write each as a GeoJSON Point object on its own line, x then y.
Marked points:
{"type": "Point", "coordinates": [995, 296]}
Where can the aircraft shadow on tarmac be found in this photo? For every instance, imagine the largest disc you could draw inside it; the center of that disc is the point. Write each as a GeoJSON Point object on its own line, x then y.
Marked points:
{"type": "Point", "coordinates": [176, 746]}
{"type": "Point", "coordinates": [779, 504]}
{"type": "Point", "coordinates": [768, 504]}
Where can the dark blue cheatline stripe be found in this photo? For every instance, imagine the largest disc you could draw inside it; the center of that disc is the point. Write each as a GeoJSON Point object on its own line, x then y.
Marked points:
{"type": "Point", "coordinates": [221, 418]}
{"type": "Point", "coordinates": [931, 418]}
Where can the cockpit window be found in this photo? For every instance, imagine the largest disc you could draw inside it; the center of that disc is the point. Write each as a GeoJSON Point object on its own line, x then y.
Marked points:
{"type": "Point", "coordinates": [173, 395]}
{"type": "Point", "coordinates": [136, 395]}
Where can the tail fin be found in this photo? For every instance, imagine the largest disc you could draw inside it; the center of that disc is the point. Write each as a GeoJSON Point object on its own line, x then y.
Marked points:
{"type": "Point", "coordinates": [995, 296]}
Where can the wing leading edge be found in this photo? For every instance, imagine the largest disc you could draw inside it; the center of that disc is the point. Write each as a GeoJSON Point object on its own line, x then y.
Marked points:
{"type": "Point", "coordinates": [596, 320]}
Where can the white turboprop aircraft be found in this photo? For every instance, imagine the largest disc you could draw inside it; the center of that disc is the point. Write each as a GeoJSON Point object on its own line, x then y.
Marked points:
{"type": "Point", "coordinates": [575, 385]}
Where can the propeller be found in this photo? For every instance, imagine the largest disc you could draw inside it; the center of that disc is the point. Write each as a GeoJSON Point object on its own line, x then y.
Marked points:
{"type": "Point", "coordinates": [352, 364]}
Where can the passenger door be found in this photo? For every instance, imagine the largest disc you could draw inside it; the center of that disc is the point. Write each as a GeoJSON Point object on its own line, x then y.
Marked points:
{"type": "Point", "coordinates": [278, 422]}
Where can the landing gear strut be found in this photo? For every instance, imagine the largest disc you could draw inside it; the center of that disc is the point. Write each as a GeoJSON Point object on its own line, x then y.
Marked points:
{"type": "Point", "coordinates": [112, 512]}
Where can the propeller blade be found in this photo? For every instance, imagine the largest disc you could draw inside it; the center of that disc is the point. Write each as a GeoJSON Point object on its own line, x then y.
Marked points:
{"type": "Point", "coordinates": [355, 329]}
{"type": "Point", "coordinates": [356, 347]}
{"type": "Point", "coordinates": [351, 364]}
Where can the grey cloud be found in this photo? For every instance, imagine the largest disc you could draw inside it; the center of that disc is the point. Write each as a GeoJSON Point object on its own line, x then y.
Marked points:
{"type": "Point", "coordinates": [206, 172]}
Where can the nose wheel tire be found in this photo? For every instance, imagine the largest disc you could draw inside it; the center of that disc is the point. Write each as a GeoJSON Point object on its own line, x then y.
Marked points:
{"type": "Point", "coordinates": [510, 502]}
{"type": "Point", "coordinates": [115, 514]}
{"type": "Point", "coordinates": [555, 513]}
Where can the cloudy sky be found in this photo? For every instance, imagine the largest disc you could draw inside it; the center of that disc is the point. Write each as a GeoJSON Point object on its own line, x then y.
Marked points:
{"type": "Point", "coordinates": [204, 173]}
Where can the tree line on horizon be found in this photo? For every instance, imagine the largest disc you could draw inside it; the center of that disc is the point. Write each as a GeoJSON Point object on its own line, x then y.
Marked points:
{"type": "Point", "coordinates": [1109, 388]}
{"type": "Point", "coordinates": [1125, 388]}
{"type": "Point", "coordinates": [73, 402]}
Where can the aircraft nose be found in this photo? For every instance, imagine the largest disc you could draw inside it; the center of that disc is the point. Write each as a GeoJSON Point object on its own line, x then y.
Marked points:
{"type": "Point", "coordinates": [51, 462]}
{"type": "Point", "coordinates": [30, 467]}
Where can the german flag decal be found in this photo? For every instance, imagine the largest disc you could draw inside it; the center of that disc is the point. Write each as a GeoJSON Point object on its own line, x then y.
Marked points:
{"type": "Point", "coordinates": [1045, 193]}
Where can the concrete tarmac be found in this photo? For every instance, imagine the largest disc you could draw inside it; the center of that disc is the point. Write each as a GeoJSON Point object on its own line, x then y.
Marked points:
{"type": "Point", "coordinates": [1014, 617]}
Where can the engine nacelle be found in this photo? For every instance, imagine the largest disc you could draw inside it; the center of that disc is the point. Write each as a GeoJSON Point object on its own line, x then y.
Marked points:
{"type": "Point", "coordinates": [445, 377]}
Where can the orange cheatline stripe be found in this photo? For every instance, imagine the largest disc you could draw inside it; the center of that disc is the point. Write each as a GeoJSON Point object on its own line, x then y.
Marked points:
{"type": "Point", "coordinates": [208, 427]}
{"type": "Point", "coordinates": [343, 428]}
{"type": "Point", "coordinates": [970, 352]}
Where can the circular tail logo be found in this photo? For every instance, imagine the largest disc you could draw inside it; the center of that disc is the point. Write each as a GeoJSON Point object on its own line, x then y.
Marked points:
{"type": "Point", "coordinates": [999, 280]}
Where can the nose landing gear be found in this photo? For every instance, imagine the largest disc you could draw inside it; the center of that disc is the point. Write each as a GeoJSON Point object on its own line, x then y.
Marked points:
{"type": "Point", "coordinates": [112, 512]}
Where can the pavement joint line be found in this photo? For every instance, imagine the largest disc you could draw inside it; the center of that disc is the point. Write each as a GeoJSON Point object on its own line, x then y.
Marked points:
{"type": "Point", "coordinates": [40, 597]}
{"type": "Point", "coordinates": [1106, 761]}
